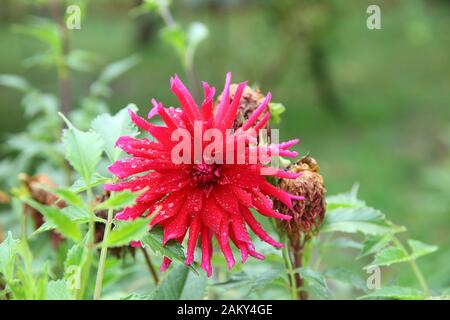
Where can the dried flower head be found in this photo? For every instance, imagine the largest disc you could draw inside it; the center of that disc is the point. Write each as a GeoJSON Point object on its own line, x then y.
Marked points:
{"type": "Point", "coordinates": [307, 215]}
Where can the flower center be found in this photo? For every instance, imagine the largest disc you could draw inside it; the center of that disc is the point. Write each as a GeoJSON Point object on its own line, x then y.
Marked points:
{"type": "Point", "coordinates": [204, 175]}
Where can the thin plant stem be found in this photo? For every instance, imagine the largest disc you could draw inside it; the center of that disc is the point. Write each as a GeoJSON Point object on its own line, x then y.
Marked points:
{"type": "Point", "coordinates": [290, 269]}
{"type": "Point", "coordinates": [415, 268]}
{"type": "Point", "coordinates": [150, 266]}
{"type": "Point", "coordinates": [87, 260]}
{"type": "Point", "coordinates": [103, 255]}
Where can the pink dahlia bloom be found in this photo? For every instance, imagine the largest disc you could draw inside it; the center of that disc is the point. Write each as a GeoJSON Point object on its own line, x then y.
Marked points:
{"type": "Point", "coordinates": [205, 197]}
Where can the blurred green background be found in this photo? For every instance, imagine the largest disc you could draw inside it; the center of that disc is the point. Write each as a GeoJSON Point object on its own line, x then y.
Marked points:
{"type": "Point", "coordinates": [372, 106]}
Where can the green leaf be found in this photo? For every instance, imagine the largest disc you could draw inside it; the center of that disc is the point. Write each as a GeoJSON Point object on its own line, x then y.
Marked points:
{"type": "Point", "coordinates": [54, 216]}
{"type": "Point", "coordinates": [315, 283]}
{"type": "Point", "coordinates": [83, 150]}
{"type": "Point", "coordinates": [395, 254]}
{"type": "Point", "coordinates": [373, 244]}
{"type": "Point", "coordinates": [395, 292]}
{"type": "Point", "coordinates": [195, 286]}
{"type": "Point", "coordinates": [119, 200]}
{"type": "Point", "coordinates": [276, 110]}
{"type": "Point", "coordinates": [8, 249]}
{"type": "Point", "coordinates": [172, 285]}
{"type": "Point", "coordinates": [111, 72]}
{"type": "Point", "coordinates": [346, 276]}
{"type": "Point", "coordinates": [345, 200]}
{"type": "Point", "coordinates": [420, 249]}
{"type": "Point", "coordinates": [67, 195]}
{"type": "Point", "coordinates": [352, 220]}
{"type": "Point", "coordinates": [96, 180]}
{"type": "Point", "coordinates": [57, 290]}
{"type": "Point", "coordinates": [388, 256]}
{"type": "Point", "coordinates": [172, 249]}
{"type": "Point", "coordinates": [197, 33]}
{"type": "Point", "coordinates": [176, 37]}
{"type": "Point", "coordinates": [110, 128]}
{"type": "Point", "coordinates": [127, 231]}
{"type": "Point", "coordinates": [15, 82]}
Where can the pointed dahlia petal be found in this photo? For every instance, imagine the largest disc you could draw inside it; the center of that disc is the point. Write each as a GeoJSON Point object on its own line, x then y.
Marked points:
{"type": "Point", "coordinates": [255, 115]}
{"type": "Point", "coordinates": [206, 251]}
{"type": "Point", "coordinates": [273, 172]}
{"type": "Point", "coordinates": [165, 264]}
{"type": "Point", "coordinates": [224, 101]}
{"type": "Point", "coordinates": [239, 229]}
{"type": "Point", "coordinates": [222, 239]}
{"type": "Point", "coordinates": [187, 102]}
{"type": "Point", "coordinates": [277, 193]}
{"type": "Point", "coordinates": [230, 114]}
{"type": "Point", "coordinates": [288, 144]}
{"type": "Point", "coordinates": [208, 102]}
{"type": "Point", "coordinates": [159, 133]}
{"type": "Point", "coordinates": [226, 199]}
{"type": "Point", "coordinates": [131, 213]}
{"type": "Point", "coordinates": [242, 196]}
{"type": "Point", "coordinates": [194, 232]}
{"type": "Point", "coordinates": [212, 214]}
{"type": "Point", "coordinates": [269, 212]}
{"type": "Point", "coordinates": [262, 122]}
{"type": "Point", "coordinates": [176, 227]}
{"type": "Point", "coordinates": [257, 228]}
{"type": "Point", "coordinates": [129, 166]}
{"type": "Point", "coordinates": [242, 246]}
{"type": "Point", "coordinates": [170, 206]}
{"type": "Point", "coordinates": [159, 109]}
{"type": "Point", "coordinates": [135, 184]}
{"type": "Point", "coordinates": [136, 244]}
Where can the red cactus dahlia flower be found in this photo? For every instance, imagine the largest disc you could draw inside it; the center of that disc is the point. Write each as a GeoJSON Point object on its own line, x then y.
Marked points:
{"type": "Point", "coordinates": [205, 196]}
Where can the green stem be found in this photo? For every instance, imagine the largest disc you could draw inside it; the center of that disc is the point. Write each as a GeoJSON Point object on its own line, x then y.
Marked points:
{"type": "Point", "coordinates": [415, 268]}
{"type": "Point", "coordinates": [103, 254]}
{"type": "Point", "coordinates": [87, 259]}
{"type": "Point", "coordinates": [290, 269]}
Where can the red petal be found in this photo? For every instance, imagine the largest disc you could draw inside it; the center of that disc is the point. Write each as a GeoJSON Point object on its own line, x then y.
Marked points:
{"type": "Point", "coordinates": [206, 251]}
{"type": "Point", "coordinates": [257, 229]}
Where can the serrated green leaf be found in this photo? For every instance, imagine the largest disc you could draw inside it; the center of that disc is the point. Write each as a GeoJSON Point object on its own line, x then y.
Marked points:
{"type": "Point", "coordinates": [171, 286]}
{"type": "Point", "coordinates": [395, 254]}
{"type": "Point", "coordinates": [365, 220]}
{"type": "Point", "coordinates": [419, 249]}
{"type": "Point", "coordinates": [373, 244]}
{"type": "Point", "coordinates": [110, 128]}
{"type": "Point", "coordinates": [119, 200]}
{"type": "Point", "coordinates": [67, 195]}
{"type": "Point", "coordinates": [395, 292]}
{"type": "Point", "coordinates": [127, 231]}
{"type": "Point", "coordinates": [83, 150]}
{"type": "Point", "coordinates": [56, 217]}
{"type": "Point", "coordinates": [172, 249]}
{"type": "Point", "coordinates": [388, 256]}
{"type": "Point", "coordinates": [315, 283]}
{"type": "Point", "coordinates": [96, 180]}
{"type": "Point", "coordinates": [347, 276]}
{"type": "Point", "coordinates": [195, 286]}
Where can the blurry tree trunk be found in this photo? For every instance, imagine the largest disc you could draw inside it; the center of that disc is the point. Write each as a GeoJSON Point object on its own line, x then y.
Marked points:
{"type": "Point", "coordinates": [145, 25]}
{"type": "Point", "coordinates": [57, 8]}
{"type": "Point", "coordinates": [322, 75]}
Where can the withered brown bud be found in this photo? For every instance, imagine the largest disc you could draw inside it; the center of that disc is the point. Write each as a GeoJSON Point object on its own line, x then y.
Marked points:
{"type": "Point", "coordinates": [33, 184]}
{"type": "Point", "coordinates": [308, 214]}
{"type": "Point", "coordinates": [118, 252]}
{"type": "Point", "coordinates": [250, 100]}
